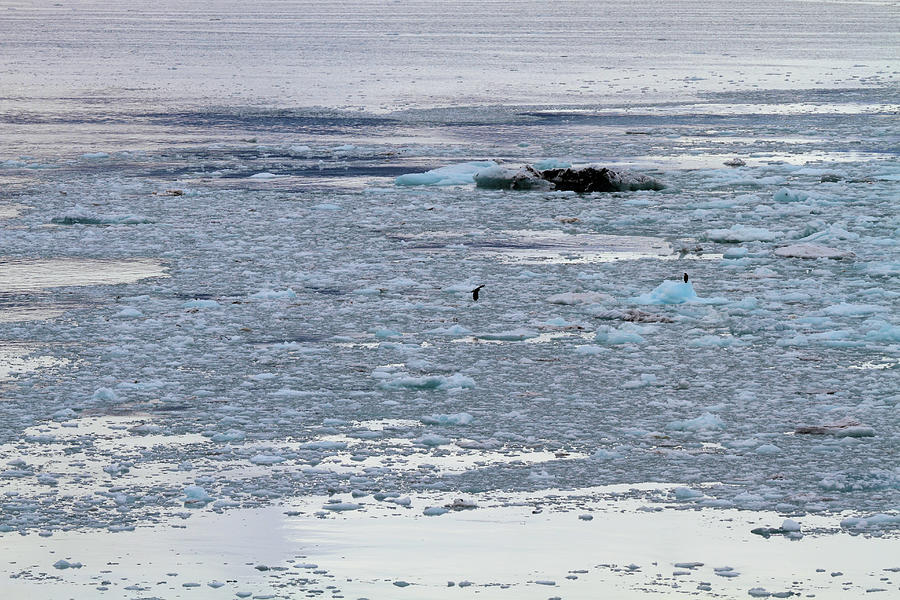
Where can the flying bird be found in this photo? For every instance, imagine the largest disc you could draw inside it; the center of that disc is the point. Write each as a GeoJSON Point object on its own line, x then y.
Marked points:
{"type": "Point", "coordinates": [475, 292]}
{"type": "Point", "coordinates": [685, 277]}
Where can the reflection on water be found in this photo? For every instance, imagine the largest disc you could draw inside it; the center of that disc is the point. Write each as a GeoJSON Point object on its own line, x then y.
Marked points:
{"type": "Point", "coordinates": [10, 211]}
{"type": "Point", "coordinates": [17, 358]}
{"type": "Point", "coordinates": [549, 548]}
{"type": "Point", "coordinates": [22, 275]}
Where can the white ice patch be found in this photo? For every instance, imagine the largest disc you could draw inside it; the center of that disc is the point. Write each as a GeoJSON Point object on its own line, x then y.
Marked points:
{"type": "Point", "coordinates": [809, 250]}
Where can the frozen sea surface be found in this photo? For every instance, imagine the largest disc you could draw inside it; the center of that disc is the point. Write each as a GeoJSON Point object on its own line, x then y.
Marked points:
{"type": "Point", "coordinates": [218, 306]}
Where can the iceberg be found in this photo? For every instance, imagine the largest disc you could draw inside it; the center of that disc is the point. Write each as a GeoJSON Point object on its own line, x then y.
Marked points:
{"type": "Point", "coordinates": [675, 292]}
{"type": "Point", "coordinates": [458, 174]}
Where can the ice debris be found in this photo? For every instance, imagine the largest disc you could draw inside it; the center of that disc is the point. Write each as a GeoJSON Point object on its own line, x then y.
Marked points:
{"type": "Point", "coordinates": [741, 233]}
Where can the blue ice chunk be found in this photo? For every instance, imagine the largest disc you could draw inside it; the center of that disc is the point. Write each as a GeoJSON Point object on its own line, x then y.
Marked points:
{"type": "Point", "coordinates": [675, 292]}
{"type": "Point", "coordinates": [458, 174]}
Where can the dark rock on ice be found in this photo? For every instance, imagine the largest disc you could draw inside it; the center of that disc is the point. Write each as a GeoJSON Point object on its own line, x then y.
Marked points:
{"type": "Point", "coordinates": [594, 178]}
{"type": "Point", "coordinates": [583, 180]}
{"type": "Point", "coordinates": [844, 428]}
{"type": "Point", "coordinates": [633, 315]}
{"type": "Point", "coordinates": [503, 178]}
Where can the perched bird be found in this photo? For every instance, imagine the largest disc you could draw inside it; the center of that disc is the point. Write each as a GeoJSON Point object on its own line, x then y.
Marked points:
{"type": "Point", "coordinates": [685, 277]}
{"type": "Point", "coordinates": [475, 292]}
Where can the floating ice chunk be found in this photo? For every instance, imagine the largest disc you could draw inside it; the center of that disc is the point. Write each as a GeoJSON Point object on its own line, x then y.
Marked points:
{"type": "Point", "coordinates": [551, 163]}
{"type": "Point", "coordinates": [717, 341]}
{"type": "Point", "coordinates": [95, 155]}
{"type": "Point", "coordinates": [266, 459]}
{"type": "Point", "coordinates": [832, 232]}
{"type": "Point", "coordinates": [790, 525]}
{"type": "Point", "coordinates": [387, 333]}
{"type": "Point", "coordinates": [685, 493]}
{"type": "Point", "coordinates": [265, 175]}
{"type": "Point", "coordinates": [454, 330]}
{"type": "Point", "coordinates": [504, 178]}
{"type": "Point", "coordinates": [513, 335]}
{"type": "Point", "coordinates": [128, 313]}
{"type": "Point", "coordinates": [117, 469]}
{"type": "Point", "coordinates": [644, 380]}
{"type": "Point", "coordinates": [65, 564]}
{"type": "Point", "coordinates": [758, 592]}
{"type": "Point", "coordinates": [853, 310]}
{"type": "Point", "coordinates": [80, 215]}
{"type": "Point", "coordinates": [786, 195]}
{"type": "Point", "coordinates": [741, 233]}
{"type": "Point", "coordinates": [884, 333]}
{"type": "Point", "coordinates": [461, 504]}
{"type": "Point", "coordinates": [705, 422]}
{"type": "Point", "coordinates": [675, 292]}
{"type": "Point", "coordinates": [429, 382]}
{"type": "Point", "coordinates": [807, 250]}
{"type": "Point", "coordinates": [268, 294]}
{"type": "Point", "coordinates": [614, 337]}
{"type": "Point", "coordinates": [458, 174]}
{"type": "Point", "coordinates": [195, 495]}
{"type": "Point", "coordinates": [883, 269]}
{"type": "Point", "coordinates": [871, 522]}
{"type": "Point", "coordinates": [768, 449]}
{"type": "Point", "coordinates": [434, 511]}
{"type": "Point", "coordinates": [104, 394]}
{"type": "Point", "coordinates": [342, 506]}
{"type": "Point", "coordinates": [201, 304]}
{"type": "Point", "coordinates": [603, 454]}
{"type": "Point", "coordinates": [545, 582]}
{"type": "Point", "coordinates": [590, 350]}
{"type": "Point", "coordinates": [739, 252]}
{"type": "Point", "coordinates": [324, 445]}
{"type": "Point", "coordinates": [431, 439]}
{"type": "Point", "coordinates": [453, 419]}
{"type": "Point", "coordinates": [232, 435]}
{"type": "Point", "coordinates": [571, 298]}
